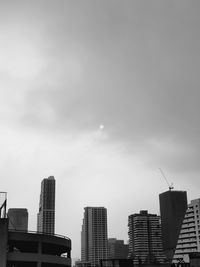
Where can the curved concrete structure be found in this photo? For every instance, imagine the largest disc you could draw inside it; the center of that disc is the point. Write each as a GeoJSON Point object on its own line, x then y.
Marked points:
{"type": "Point", "coordinates": [33, 249]}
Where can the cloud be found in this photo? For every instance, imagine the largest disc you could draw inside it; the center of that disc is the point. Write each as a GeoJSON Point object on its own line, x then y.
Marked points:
{"type": "Point", "coordinates": [132, 68]}
{"type": "Point", "coordinates": [68, 67]}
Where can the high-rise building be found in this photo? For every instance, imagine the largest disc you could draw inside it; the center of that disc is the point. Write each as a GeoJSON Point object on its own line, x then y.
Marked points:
{"type": "Point", "coordinates": [173, 205]}
{"type": "Point", "coordinates": [94, 236]}
{"type": "Point", "coordinates": [189, 236]}
{"type": "Point", "coordinates": [18, 219]}
{"type": "Point", "coordinates": [145, 243]}
{"type": "Point", "coordinates": [117, 249]}
{"type": "Point", "coordinates": [46, 214]}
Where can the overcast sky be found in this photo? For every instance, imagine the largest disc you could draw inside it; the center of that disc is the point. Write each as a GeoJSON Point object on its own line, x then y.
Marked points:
{"type": "Point", "coordinates": [68, 67]}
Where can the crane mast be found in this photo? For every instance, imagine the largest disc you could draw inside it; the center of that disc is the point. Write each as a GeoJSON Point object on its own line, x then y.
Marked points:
{"type": "Point", "coordinates": [170, 186]}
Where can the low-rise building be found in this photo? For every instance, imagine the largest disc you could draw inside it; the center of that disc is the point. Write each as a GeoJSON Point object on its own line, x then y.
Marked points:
{"type": "Point", "coordinates": [117, 249]}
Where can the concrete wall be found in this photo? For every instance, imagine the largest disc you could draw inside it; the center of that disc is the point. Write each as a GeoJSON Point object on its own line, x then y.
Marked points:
{"type": "Point", "coordinates": [3, 241]}
{"type": "Point", "coordinates": [41, 249]}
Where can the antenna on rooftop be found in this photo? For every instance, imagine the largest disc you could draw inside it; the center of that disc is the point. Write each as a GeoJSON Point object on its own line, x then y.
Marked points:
{"type": "Point", "coordinates": [170, 186]}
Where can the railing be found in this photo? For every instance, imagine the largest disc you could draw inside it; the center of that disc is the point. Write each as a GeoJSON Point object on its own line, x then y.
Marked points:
{"type": "Point", "coordinates": [40, 233]}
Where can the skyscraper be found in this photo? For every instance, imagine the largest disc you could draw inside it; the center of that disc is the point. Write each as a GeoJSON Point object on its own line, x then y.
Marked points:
{"type": "Point", "coordinates": [94, 235]}
{"type": "Point", "coordinates": [173, 205]}
{"type": "Point", "coordinates": [18, 219]}
{"type": "Point", "coordinates": [189, 236]}
{"type": "Point", "coordinates": [145, 243]}
{"type": "Point", "coordinates": [46, 214]}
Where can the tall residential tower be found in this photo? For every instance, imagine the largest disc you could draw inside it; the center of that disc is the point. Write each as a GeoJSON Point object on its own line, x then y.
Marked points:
{"type": "Point", "coordinates": [46, 214]}
{"type": "Point", "coordinates": [145, 243]}
{"type": "Point", "coordinates": [94, 235]}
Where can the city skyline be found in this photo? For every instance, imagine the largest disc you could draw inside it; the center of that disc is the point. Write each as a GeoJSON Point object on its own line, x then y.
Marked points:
{"type": "Point", "coordinates": [99, 94]}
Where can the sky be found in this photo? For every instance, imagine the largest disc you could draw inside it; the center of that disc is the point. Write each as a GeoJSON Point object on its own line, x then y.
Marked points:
{"type": "Point", "coordinates": [99, 94]}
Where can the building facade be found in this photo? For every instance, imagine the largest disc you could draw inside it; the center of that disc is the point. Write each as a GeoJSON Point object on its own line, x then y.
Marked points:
{"type": "Point", "coordinates": [46, 214]}
{"type": "Point", "coordinates": [82, 264]}
{"type": "Point", "coordinates": [189, 236]}
{"type": "Point", "coordinates": [145, 243]}
{"type": "Point", "coordinates": [116, 263]}
{"type": "Point", "coordinates": [117, 249]}
{"type": "Point", "coordinates": [94, 236]}
{"type": "Point", "coordinates": [173, 205]}
{"type": "Point", "coordinates": [18, 219]}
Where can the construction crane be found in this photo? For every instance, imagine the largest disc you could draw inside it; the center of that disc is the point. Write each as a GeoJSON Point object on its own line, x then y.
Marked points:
{"type": "Point", "coordinates": [169, 185]}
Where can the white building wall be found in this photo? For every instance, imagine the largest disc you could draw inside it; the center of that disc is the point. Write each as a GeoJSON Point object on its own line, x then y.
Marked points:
{"type": "Point", "coordinates": [189, 237]}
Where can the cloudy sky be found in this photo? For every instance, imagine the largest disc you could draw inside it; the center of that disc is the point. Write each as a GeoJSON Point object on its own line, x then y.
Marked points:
{"type": "Point", "coordinates": [69, 67]}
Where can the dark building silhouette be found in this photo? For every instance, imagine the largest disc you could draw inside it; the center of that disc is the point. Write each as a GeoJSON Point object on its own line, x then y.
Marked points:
{"type": "Point", "coordinates": [173, 205]}
{"type": "Point", "coordinates": [195, 259]}
{"type": "Point", "coordinates": [145, 242]}
{"type": "Point", "coordinates": [46, 214]}
{"type": "Point", "coordinates": [94, 236]}
{"type": "Point", "coordinates": [18, 219]}
{"type": "Point", "coordinates": [117, 249]}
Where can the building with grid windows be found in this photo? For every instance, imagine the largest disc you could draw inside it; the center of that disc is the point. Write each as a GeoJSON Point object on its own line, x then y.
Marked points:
{"type": "Point", "coordinates": [117, 249]}
{"type": "Point", "coordinates": [46, 214]}
{"type": "Point", "coordinates": [94, 236]}
{"type": "Point", "coordinates": [189, 236]}
{"type": "Point", "coordinates": [145, 243]}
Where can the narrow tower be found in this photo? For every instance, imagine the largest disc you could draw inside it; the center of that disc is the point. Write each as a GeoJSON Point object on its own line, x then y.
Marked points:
{"type": "Point", "coordinates": [46, 214]}
{"type": "Point", "coordinates": [94, 235]}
